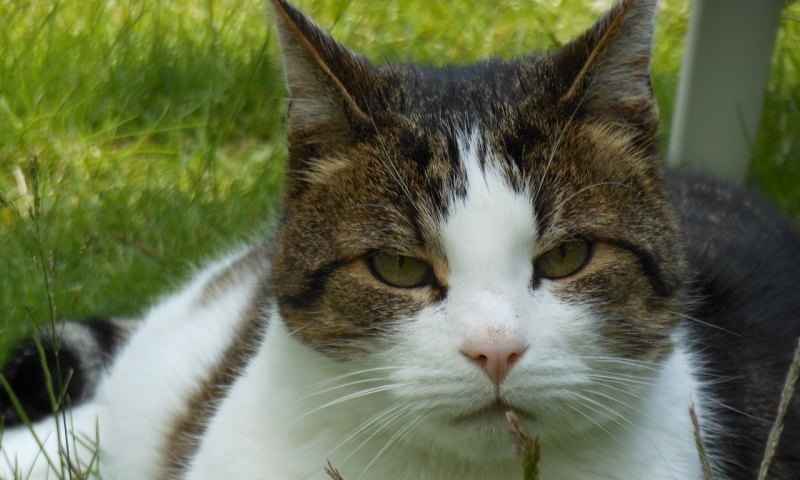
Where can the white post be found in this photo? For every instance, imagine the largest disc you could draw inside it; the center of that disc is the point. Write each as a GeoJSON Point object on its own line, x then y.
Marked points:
{"type": "Point", "coordinates": [721, 88]}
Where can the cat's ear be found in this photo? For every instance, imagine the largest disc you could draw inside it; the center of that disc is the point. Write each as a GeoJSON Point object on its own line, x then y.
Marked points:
{"type": "Point", "coordinates": [607, 69]}
{"type": "Point", "coordinates": [326, 81]}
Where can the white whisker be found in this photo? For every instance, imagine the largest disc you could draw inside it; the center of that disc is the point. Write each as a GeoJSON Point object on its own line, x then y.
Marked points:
{"type": "Point", "coordinates": [556, 144]}
{"type": "Point", "coordinates": [351, 374]}
{"type": "Point", "coordinates": [391, 441]}
{"type": "Point", "coordinates": [563, 202]}
{"type": "Point", "coordinates": [606, 385]}
{"type": "Point", "coordinates": [624, 361]}
{"type": "Point", "coordinates": [353, 396]}
{"type": "Point", "coordinates": [381, 427]}
{"type": "Point", "coordinates": [344, 385]}
{"type": "Point", "coordinates": [701, 322]}
{"type": "Point", "coordinates": [375, 418]}
{"type": "Point", "coordinates": [619, 379]}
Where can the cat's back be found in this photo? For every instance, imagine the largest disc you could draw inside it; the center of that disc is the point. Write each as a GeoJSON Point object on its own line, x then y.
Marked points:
{"type": "Point", "coordinates": [744, 280]}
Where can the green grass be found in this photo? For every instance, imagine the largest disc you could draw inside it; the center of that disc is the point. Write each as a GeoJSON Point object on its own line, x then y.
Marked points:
{"type": "Point", "coordinates": [775, 169]}
{"type": "Point", "coordinates": [152, 129]}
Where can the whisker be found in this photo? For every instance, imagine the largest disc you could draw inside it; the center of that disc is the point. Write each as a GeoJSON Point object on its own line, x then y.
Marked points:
{"type": "Point", "coordinates": [643, 377]}
{"type": "Point", "coordinates": [620, 390]}
{"type": "Point", "coordinates": [364, 426]}
{"type": "Point", "coordinates": [384, 425]}
{"type": "Point", "coordinates": [616, 400]}
{"type": "Point", "coordinates": [556, 144]}
{"type": "Point", "coordinates": [703, 323]}
{"type": "Point", "coordinates": [592, 420]}
{"type": "Point", "coordinates": [561, 204]}
{"type": "Point", "coordinates": [624, 361]}
{"type": "Point", "coordinates": [619, 380]}
{"type": "Point", "coordinates": [391, 441]}
{"type": "Point", "coordinates": [387, 160]}
{"type": "Point", "coordinates": [628, 425]}
{"type": "Point", "coordinates": [344, 385]}
{"type": "Point", "coordinates": [604, 411]}
{"type": "Point", "coordinates": [353, 396]}
{"type": "Point", "coordinates": [351, 374]}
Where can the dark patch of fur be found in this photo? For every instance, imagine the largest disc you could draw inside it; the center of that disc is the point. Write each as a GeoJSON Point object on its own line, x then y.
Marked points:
{"type": "Point", "coordinates": [315, 287]}
{"type": "Point", "coordinates": [65, 366]}
{"type": "Point", "coordinates": [26, 375]}
{"type": "Point", "coordinates": [650, 268]}
{"type": "Point", "coordinates": [106, 333]}
{"type": "Point", "coordinates": [744, 275]}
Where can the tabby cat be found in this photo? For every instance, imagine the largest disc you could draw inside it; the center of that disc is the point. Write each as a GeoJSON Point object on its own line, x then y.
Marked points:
{"type": "Point", "coordinates": [455, 243]}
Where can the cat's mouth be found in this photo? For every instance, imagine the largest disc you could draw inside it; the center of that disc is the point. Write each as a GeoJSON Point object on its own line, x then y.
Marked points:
{"type": "Point", "coordinates": [495, 411]}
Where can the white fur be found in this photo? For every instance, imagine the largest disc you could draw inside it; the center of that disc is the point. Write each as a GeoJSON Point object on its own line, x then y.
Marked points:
{"type": "Point", "coordinates": [410, 411]}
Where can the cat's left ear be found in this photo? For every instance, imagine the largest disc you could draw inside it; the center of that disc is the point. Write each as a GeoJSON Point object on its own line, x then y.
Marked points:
{"type": "Point", "coordinates": [607, 69]}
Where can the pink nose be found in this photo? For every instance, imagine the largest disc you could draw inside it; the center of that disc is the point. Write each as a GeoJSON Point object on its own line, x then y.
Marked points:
{"type": "Point", "coordinates": [495, 359]}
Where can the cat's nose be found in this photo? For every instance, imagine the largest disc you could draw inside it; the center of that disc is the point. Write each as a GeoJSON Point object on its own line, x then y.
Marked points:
{"type": "Point", "coordinates": [495, 359]}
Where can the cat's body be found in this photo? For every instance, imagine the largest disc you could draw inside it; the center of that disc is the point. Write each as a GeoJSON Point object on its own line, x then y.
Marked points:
{"type": "Point", "coordinates": [535, 264]}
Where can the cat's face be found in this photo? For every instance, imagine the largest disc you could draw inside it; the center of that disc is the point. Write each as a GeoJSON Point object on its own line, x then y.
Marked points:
{"type": "Point", "coordinates": [491, 237]}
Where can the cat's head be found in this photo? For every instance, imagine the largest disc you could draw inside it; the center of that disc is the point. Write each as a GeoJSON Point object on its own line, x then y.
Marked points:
{"type": "Point", "coordinates": [494, 235]}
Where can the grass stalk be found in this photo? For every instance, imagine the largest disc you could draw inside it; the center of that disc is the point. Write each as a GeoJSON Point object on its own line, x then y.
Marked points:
{"type": "Point", "coordinates": [777, 427]}
{"type": "Point", "coordinates": [527, 447]}
{"type": "Point", "coordinates": [705, 463]}
{"type": "Point", "coordinates": [332, 472]}
{"type": "Point", "coordinates": [20, 409]}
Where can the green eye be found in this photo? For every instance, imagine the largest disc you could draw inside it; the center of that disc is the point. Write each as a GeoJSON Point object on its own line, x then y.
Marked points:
{"type": "Point", "coordinates": [400, 271]}
{"type": "Point", "coordinates": [564, 260]}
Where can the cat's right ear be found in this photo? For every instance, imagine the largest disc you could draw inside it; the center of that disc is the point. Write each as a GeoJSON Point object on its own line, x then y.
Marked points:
{"type": "Point", "coordinates": [327, 83]}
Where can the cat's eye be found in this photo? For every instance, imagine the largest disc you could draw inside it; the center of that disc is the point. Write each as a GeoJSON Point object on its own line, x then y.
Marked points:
{"type": "Point", "coordinates": [564, 260]}
{"type": "Point", "coordinates": [401, 271]}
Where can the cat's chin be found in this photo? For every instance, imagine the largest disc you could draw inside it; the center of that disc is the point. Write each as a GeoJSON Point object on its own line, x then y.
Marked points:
{"type": "Point", "coordinates": [495, 412]}
{"type": "Point", "coordinates": [477, 434]}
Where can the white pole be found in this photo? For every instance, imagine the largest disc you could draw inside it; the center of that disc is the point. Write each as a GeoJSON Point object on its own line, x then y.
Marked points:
{"type": "Point", "coordinates": [721, 88]}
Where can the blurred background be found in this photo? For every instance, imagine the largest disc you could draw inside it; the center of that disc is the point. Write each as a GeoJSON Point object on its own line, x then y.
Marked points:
{"type": "Point", "coordinates": [139, 137]}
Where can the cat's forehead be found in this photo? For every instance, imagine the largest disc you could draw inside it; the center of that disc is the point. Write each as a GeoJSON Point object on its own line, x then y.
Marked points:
{"type": "Point", "coordinates": [486, 92]}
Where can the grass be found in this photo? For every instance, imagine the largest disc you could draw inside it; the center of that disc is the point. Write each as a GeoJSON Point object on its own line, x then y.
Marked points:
{"type": "Point", "coordinates": [139, 137]}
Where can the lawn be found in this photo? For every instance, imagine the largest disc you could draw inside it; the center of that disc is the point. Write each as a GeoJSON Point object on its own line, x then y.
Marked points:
{"type": "Point", "coordinates": [139, 137]}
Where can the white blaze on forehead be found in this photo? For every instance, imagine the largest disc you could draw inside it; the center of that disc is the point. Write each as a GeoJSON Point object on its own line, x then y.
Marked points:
{"type": "Point", "coordinates": [490, 233]}
{"type": "Point", "coordinates": [488, 238]}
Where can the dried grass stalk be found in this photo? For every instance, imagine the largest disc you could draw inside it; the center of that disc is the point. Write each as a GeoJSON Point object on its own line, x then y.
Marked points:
{"type": "Point", "coordinates": [527, 447]}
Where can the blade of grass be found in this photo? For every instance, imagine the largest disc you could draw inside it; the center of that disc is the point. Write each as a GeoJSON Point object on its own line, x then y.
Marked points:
{"type": "Point", "coordinates": [708, 472]}
{"type": "Point", "coordinates": [777, 427]}
{"type": "Point", "coordinates": [26, 421]}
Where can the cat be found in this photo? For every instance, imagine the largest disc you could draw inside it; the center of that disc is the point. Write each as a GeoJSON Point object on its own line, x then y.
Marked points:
{"type": "Point", "coordinates": [455, 243]}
